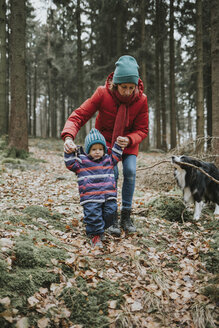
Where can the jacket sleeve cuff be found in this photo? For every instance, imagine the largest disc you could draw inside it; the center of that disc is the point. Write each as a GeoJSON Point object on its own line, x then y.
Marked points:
{"type": "Point", "coordinates": [65, 135]}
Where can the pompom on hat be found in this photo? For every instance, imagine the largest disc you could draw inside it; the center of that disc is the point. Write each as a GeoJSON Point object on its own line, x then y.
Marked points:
{"type": "Point", "coordinates": [126, 70]}
{"type": "Point", "coordinates": [94, 137]}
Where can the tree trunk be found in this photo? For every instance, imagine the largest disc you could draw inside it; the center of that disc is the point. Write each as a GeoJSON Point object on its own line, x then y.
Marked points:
{"type": "Point", "coordinates": [18, 131]}
{"type": "Point", "coordinates": [172, 80]}
{"type": "Point", "coordinates": [29, 100]}
{"type": "Point", "coordinates": [157, 78]}
{"type": "Point", "coordinates": [143, 43]}
{"type": "Point", "coordinates": [145, 143]}
{"type": "Point", "coordinates": [3, 71]}
{"type": "Point", "coordinates": [119, 29]}
{"type": "Point", "coordinates": [82, 134]}
{"type": "Point", "coordinates": [79, 55]}
{"type": "Point", "coordinates": [199, 85]}
{"type": "Point", "coordinates": [34, 99]}
{"type": "Point", "coordinates": [215, 75]}
{"type": "Point", "coordinates": [163, 98]}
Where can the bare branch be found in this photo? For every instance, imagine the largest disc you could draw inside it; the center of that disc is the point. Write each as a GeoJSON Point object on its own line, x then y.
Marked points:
{"type": "Point", "coordinates": [149, 167]}
{"type": "Point", "coordinates": [201, 170]}
{"type": "Point", "coordinates": [183, 163]}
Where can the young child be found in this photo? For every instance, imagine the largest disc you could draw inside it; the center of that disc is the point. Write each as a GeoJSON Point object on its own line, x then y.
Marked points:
{"type": "Point", "coordinates": [94, 168]}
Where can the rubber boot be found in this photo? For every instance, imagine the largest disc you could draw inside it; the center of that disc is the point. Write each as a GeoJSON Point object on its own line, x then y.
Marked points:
{"type": "Point", "coordinates": [115, 229]}
{"type": "Point", "coordinates": [126, 221]}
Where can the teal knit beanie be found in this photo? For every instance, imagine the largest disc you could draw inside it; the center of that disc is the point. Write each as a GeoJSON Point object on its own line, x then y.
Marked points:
{"type": "Point", "coordinates": [94, 137]}
{"type": "Point", "coordinates": [126, 70]}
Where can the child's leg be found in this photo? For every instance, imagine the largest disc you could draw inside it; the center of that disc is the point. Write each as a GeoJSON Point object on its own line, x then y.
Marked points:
{"type": "Point", "coordinates": [93, 218]}
{"type": "Point", "coordinates": [109, 212]}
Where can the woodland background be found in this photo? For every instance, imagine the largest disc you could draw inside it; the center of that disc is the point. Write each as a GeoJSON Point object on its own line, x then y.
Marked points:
{"type": "Point", "coordinates": [48, 69]}
{"type": "Point", "coordinates": [165, 275]}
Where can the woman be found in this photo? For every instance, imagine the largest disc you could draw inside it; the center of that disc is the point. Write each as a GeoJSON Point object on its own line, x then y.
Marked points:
{"type": "Point", "coordinates": [122, 111]}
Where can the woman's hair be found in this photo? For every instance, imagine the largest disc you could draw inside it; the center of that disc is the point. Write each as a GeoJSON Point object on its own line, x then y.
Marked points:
{"type": "Point", "coordinates": [112, 86]}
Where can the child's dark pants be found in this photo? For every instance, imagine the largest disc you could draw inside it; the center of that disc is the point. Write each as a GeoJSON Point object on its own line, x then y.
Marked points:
{"type": "Point", "coordinates": [99, 216]}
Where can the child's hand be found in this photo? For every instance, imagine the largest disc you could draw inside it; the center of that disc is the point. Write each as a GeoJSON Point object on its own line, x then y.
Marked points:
{"type": "Point", "coordinates": [69, 145]}
{"type": "Point", "coordinates": [122, 141]}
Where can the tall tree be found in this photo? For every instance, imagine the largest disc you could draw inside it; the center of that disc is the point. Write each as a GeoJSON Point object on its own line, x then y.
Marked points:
{"type": "Point", "coordinates": [172, 78]}
{"type": "Point", "coordinates": [18, 131]}
{"type": "Point", "coordinates": [215, 75]}
{"type": "Point", "coordinates": [79, 53]}
{"type": "Point", "coordinates": [207, 67]}
{"type": "Point", "coordinates": [3, 71]}
{"type": "Point", "coordinates": [162, 75]}
{"type": "Point", "coordinates": [157, 74]}
{"type": "Point", "coordinates": [142, 8]}
{"type": "Point", "coordinates": [200, 91]}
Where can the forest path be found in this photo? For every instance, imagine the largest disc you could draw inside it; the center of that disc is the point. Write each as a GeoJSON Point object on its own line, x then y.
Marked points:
{"type": "Point", "coordinates": [158, 277]}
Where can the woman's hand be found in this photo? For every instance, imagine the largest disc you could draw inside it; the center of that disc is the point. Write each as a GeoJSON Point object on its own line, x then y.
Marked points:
{"type": "Point", "coordinates": [69, 145]}
{"type": "Point", "coordinates": [123, 141]}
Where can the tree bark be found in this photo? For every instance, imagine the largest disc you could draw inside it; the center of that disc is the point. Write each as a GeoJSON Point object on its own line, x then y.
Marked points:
{"type": "Point", "coordinates": [215, 75]}
{"type": "Point", "coordinates": [145, 143]}
{"type": "Point", "coordinates": [199, 85]}
{"type": "Point", "coordinates": [157, 78]}
{"type": "Point", "coordinates": [18, 130]}
{"type": "Point", "coordinates": [34, 99]}
{"type": "Point", "coordinates": [163, 97]}
{"type": "Point", "coordinates": [172, 79]}
{"type": "Point", "coordinates": [3, 71]}
{"type": "Point", "coordinates": [119, 29]}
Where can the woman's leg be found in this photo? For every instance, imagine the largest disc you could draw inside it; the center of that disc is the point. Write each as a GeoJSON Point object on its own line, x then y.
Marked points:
{"type": "Point", "coordinates": [128, 188]}
{"type": "Point", "coordinates": [129, 174]}
{"type": "Point", "coordinates": [114, 229]}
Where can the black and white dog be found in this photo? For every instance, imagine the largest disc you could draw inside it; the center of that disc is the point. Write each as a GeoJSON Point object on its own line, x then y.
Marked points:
{"type": "Point", "coordinates": [196, 186]}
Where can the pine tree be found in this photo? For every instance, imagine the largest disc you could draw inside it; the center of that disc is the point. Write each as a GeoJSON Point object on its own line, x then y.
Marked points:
{"type": "Point", "coordinates": [18, 130]}
{"type": "Point", "coordinates": [215, 74]}
{"type": "Point", "coordinates": [3, 71]}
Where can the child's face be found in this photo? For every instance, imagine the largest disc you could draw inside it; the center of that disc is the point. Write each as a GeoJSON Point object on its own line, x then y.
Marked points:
{"type": "Point", "coordinates": [96, 151]}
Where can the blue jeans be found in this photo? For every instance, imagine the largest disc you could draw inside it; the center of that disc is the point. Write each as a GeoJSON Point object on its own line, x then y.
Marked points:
{"type": "Point", "coordinates": [99, 216]}
{"type": "Point", "coordinates": [129, 174]}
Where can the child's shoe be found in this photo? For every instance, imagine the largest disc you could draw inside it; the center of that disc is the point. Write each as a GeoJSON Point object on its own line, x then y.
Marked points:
{"type": "Point", "coordinates": [96, 241]}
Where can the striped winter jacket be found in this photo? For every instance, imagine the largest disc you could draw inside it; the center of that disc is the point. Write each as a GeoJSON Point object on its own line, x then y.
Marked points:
{"type": "Point", "coordinates": [96, 179]}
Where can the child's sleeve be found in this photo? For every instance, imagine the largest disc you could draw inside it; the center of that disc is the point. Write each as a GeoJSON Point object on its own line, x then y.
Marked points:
{"type": "Point", "coordinates": [71, 161]}
{"type": "Point", "coordinates": [116, 153]}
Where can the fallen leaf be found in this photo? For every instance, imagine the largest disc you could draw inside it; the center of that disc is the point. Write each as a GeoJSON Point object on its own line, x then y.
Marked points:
{"type": "Point", "coordinates": [43, 322]}
{"type": "Point", "coordinates": [136, 306]}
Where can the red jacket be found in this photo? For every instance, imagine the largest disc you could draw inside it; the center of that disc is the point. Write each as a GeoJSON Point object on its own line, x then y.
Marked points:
{"type": "Point", "coordinates": [103, 102]}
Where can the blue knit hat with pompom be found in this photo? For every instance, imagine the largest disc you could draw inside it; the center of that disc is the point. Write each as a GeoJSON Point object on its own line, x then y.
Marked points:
{"type": "Point", "coordinates": [94, 137]}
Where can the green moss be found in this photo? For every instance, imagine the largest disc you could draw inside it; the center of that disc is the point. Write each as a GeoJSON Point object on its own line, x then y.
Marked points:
{"type": "Point", "coordinates": [17, 153]}
{"type": "Point", "coordinates": [212, 291]}
{"type": "Point", "coordinates": [25, 254]}
{"type": "Point", "coordinates": [89, 306]}
{"type": "Point", "coordinates": [35, 211]}
{"type": "Point", "coordinates": [11, 161]}
{"type": "Point", "coordinates": [211, 258]}
{"type": "Point", "coordinates": [169, 208]}
{"type": "Point", "coordinates": [33, 160]}
{"type": "Point", "coordinates": [3, 273]}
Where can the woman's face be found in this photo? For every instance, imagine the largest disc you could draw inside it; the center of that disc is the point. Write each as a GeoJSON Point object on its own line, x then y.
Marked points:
{"type": "Point", "coordinates": [126, 89]}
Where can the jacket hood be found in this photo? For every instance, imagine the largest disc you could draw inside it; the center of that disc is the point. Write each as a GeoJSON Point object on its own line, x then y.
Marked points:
{"type": "Point", "coordinates": [140, 86]}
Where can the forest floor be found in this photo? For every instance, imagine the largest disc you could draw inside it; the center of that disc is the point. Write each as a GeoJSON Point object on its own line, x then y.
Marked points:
{"type": "Point", "coordinates": [165, 275]}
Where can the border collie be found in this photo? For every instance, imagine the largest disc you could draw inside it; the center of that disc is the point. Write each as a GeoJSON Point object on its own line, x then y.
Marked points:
{"type": "Point", "coordinates": [197, 187]}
